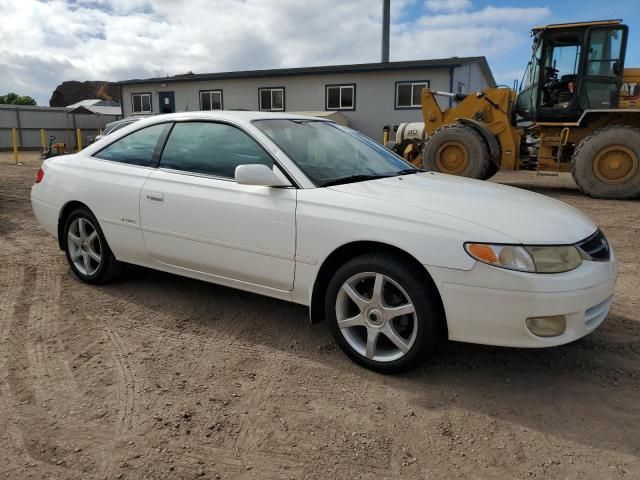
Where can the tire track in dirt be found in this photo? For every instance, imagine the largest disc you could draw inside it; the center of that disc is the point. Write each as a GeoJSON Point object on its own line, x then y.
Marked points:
{"type": "Point", "coordinates": [126, 396]}
{"type": "Point", "coordinates": [15, 340]}
{"type": "Point", "coordinates": [18, 391]}
{"type": "Point", "coordinates": [8, 248]}
{"type": "Point", "coordinates": [41, 390]}
{"type": "Point", "coordinates": [12, 283]}
{"type": "Point", "coordinates": [47, 353]}
{"type": "Point", "coordinates": [126, 385]}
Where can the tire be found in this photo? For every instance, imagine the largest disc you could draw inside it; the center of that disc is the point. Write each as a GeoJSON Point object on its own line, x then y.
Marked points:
{"type": "Point", "coordinates": [457, 149]}
{"type": "Point", "coordinates": [403, 285]}
{"type": "Point", "coordinates": [491, 171]}
{"type": "Point", "coordinates": [606, 146]}
{"type": "Point", "coordinates": [86, 248]}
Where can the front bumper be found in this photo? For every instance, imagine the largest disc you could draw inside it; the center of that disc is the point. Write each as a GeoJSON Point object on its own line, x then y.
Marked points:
{"type": "Point", "coordinates": [489, 305]}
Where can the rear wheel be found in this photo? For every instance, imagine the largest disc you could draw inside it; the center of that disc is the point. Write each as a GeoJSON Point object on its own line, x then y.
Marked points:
{"type": "Point", "coordinates": [383, 313]}
{"type": "Point", "coordinates": [87, 250]}
{"type": "Point", "coordinates": [606, 163]}
{"type": "Point", "coordinates": [457, 149]}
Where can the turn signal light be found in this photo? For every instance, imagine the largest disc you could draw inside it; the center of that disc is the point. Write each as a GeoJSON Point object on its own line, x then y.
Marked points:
{"type": "Point", "coordinates": [483, 252]}
{"type": "Point", "coordinates": [39, 175]}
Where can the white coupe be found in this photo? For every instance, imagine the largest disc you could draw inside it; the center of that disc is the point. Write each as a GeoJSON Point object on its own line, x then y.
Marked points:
{"type": "Point", "coordinates": [308, 211]}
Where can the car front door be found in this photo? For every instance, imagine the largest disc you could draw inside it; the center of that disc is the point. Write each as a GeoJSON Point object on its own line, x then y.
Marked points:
{"type": "Point", "coordinates": [196, 217]}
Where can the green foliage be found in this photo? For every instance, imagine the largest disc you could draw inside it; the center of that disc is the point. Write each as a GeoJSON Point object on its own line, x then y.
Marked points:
{"type": "Point", "coordinates": [15, 99]}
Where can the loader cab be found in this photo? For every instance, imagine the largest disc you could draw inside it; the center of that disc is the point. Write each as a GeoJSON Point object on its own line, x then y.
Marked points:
{"type": "Point", "coordinates": [574, 67]}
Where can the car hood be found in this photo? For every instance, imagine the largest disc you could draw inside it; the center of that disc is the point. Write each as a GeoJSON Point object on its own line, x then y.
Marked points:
{"type": "Point", "coordinates": [526, 217]}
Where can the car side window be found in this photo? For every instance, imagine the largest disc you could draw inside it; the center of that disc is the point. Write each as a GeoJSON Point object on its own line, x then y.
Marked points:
{"type": "Point", "coordinates": [211, 148]}
{"type": "Point", "coordinates": [136, 148]}
{"type": "Point", "coordinates": [118, 127]}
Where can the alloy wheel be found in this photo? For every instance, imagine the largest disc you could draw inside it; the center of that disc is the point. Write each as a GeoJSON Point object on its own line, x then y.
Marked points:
{"type": "Point", "coordinates": [85, 249]}
{"type": "Point", "coordinates": [376, 317]}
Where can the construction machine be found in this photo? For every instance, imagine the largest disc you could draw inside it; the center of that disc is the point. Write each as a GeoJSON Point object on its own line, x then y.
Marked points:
{"type": "Point", "coordinates": [577, 110]}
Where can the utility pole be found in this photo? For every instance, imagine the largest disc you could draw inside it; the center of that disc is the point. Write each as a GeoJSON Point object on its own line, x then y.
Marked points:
{"type": "Point", "coordinates": [386, 20]}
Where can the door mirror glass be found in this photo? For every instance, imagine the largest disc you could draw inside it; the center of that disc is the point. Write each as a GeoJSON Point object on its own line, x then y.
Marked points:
{"type": "Point", "coordinates": [258, 174]}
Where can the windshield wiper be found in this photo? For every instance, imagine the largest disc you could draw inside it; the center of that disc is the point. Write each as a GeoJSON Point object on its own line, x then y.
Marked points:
{"type": "Point", "coordinates": [351, 179]}
{"type": "Point", "coordinates": [409, 171]}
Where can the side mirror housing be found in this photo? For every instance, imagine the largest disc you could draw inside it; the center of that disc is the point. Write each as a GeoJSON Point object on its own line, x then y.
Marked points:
{"type": "Point", "coordinates": [260, 175]}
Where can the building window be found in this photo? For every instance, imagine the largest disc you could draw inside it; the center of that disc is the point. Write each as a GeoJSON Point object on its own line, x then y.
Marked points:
{"type": "Point", "coordinates": [141, 102]}
{"type": "Point", "coordinates": [210, 99]}
{"type": "Point", "coordinates": [271, 99]}
{"type": "Point", "coordinates": [408, 93]}
{"type": "Point", "coordinates": [340, 97]}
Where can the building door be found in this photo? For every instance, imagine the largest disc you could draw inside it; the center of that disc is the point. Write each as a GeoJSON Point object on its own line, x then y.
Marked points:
{"type": "Point", "coordinates": [167, 102]}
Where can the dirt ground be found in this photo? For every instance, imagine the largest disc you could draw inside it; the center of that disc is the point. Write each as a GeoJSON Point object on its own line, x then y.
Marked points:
{"type": "Point", "coordinates": [158, 376]}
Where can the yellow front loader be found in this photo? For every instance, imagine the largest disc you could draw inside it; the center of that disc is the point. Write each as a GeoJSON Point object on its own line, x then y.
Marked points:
{"type": "Point", "coordinates": [578, 111]}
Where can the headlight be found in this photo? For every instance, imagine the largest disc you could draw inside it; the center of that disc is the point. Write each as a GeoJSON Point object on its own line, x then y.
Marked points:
{"type": "Point", "coordinates": [534, 259]}
{"type": "Point", "coordinates": [555, 259]}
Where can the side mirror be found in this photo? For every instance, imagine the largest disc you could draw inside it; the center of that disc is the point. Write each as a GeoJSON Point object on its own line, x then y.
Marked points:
{"type": "Point", "coordinates": [617, 67]}
{"type": "Point", "coordinates": [259, 174]}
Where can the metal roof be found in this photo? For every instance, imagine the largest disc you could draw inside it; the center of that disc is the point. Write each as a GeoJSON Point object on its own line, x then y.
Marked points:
{"type": "Point", "coordinates": [97, 109]}
{"type": "Point", "coordinates": [616, 21]}
{"type": "Point", "coordinates": [325, 70]}
{"type": "Point", "coordinates": [98, 102]}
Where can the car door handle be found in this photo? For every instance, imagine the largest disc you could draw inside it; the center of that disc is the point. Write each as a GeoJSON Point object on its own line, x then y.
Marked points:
{"type": "Point", "coordinates": [155, 197]}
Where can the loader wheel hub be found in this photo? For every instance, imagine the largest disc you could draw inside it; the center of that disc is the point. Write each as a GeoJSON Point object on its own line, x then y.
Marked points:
{"type": "Point", "coordinates": [615, 164]}
{"type": "Point", "coordinates": [452, 158]}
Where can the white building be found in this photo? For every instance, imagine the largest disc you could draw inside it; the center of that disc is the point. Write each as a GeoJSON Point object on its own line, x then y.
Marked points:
{"type": "Point", "coordinates": [369, 95]}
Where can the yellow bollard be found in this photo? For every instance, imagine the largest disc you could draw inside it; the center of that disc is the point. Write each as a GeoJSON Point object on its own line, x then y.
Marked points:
{"type": "Point", "coordinates": [79, 139]}
{"type": "Point", "coordinates": [43, 139]}
{"type": "Point", "coordinates": [14, 139]}
{"type": "Point", "coordinates": [385, 134]}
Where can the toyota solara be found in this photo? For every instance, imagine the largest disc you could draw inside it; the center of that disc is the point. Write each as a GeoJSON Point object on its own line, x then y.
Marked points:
{"type": "Point", "coordinates": [309, 211]}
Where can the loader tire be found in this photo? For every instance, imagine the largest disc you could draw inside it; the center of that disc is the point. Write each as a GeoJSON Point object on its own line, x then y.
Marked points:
{"type": "Point", "coordinates": [492, 170]}
{"type": "Point", "coordinates": [606, 163]}
{"type": "Point", "coordinates": [457, 149]}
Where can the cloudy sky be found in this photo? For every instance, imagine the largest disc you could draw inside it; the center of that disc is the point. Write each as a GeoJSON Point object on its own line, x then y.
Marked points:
{"type": "Point", "coordinates": [43, 43]}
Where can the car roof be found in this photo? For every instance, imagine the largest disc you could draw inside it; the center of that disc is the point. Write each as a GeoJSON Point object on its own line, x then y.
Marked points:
{"type": "Point", "coordinates": [124, 120]}
{"type": "Point", "coordinates": [228, 115]}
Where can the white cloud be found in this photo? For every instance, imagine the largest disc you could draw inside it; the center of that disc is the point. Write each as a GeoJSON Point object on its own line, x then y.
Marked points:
{"type": "Point", "coordinates": [45, 43]}
{"type": "Point", "coordinates": [490, 31]}
{"type": "Point", "coordinates": [507, 77]}
{"type": "Point", "coordinates": [447, 5]}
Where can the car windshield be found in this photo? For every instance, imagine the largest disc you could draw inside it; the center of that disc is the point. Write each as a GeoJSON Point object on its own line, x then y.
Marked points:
{"type": "Point", "coordinates": [330, 154]}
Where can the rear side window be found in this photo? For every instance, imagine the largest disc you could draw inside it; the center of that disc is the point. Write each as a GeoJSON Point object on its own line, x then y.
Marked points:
{"type": "Point", "coordinates": [118, 127]}
{"type": "Point", "coordinates": [136, 148]}
{"type": "Point", "coordinates": [211, 148]}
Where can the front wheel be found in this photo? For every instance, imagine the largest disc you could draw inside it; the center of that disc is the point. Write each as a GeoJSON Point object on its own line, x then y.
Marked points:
{"type": "Point", "coordinates": [383, 313]}
{"type": "Point", "coordinates": [457, 149]}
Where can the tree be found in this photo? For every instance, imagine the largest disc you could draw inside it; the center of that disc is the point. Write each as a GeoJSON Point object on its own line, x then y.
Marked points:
{"type": "Point", "coordinates": [15, 99]}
